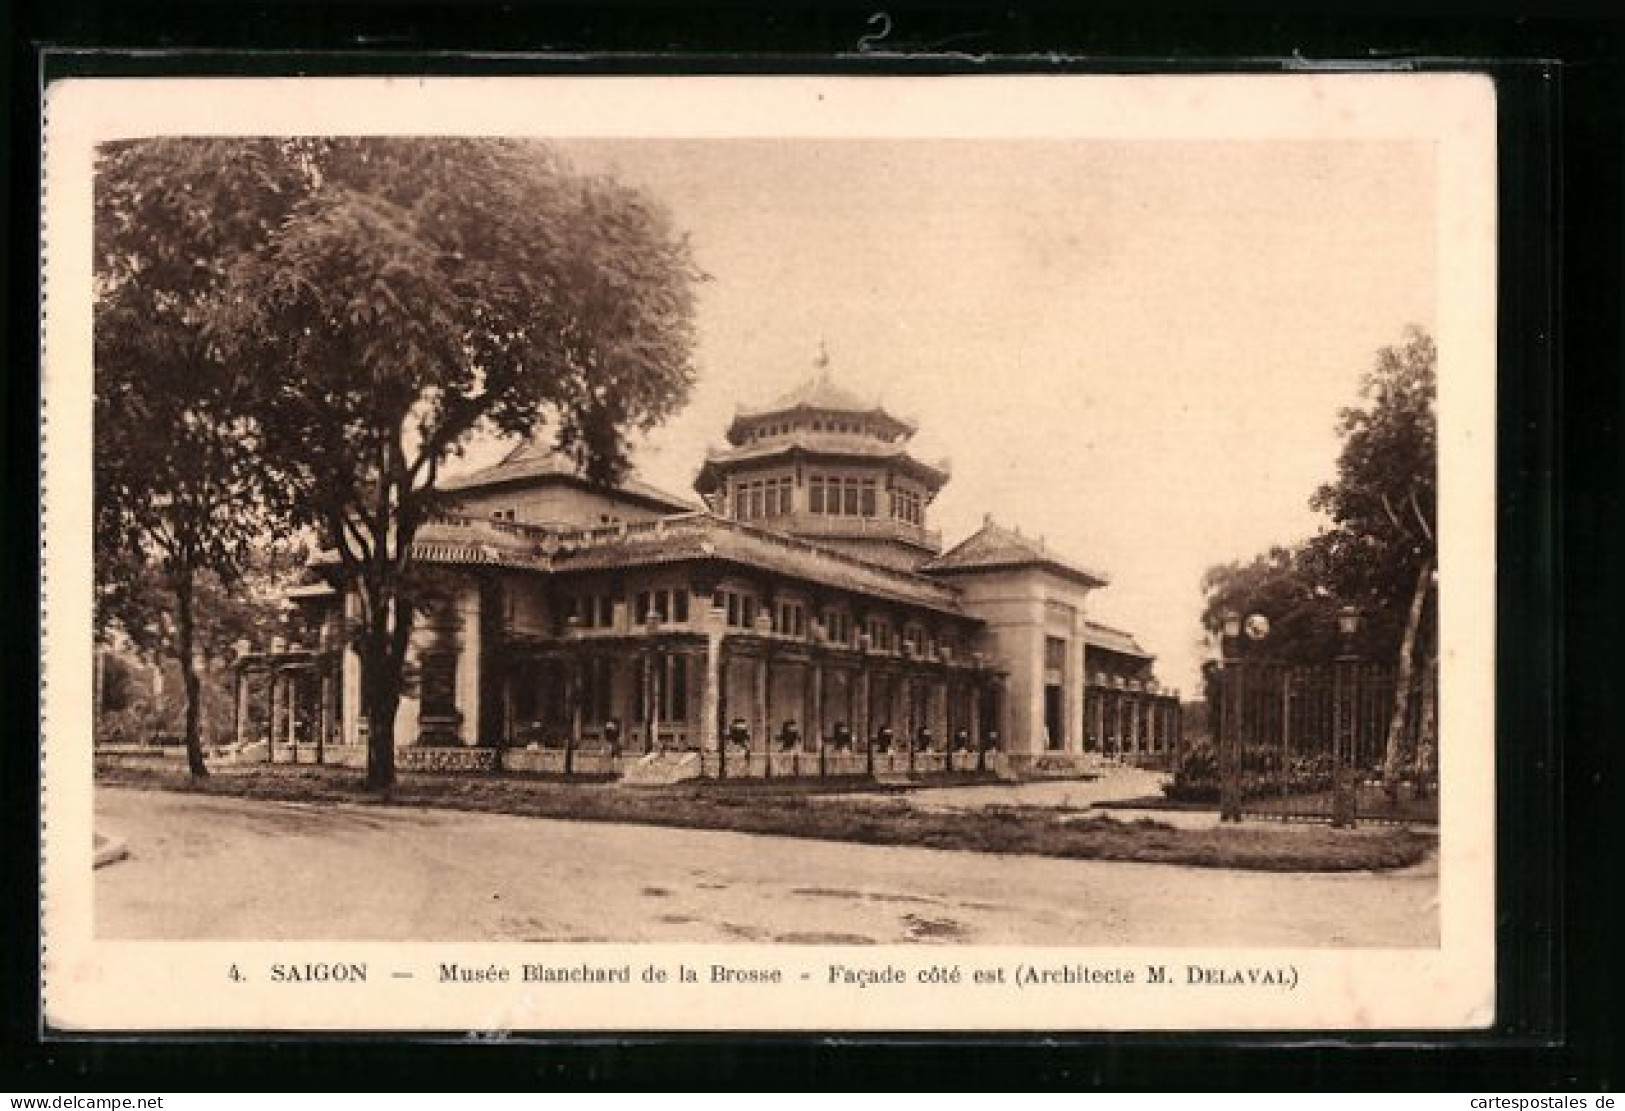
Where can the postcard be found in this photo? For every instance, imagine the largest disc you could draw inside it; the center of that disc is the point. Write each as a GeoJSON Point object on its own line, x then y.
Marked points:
{"type": "Point", "coordinates": [839, 553]}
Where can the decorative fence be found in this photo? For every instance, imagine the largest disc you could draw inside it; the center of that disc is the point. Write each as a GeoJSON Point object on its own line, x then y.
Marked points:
{"type": "Point", "coordinates": [1311, 742]}
{"type": "Point", "coordinates": [598, 761]}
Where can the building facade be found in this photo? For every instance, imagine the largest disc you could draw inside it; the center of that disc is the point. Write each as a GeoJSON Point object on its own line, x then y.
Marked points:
{"type": "Point", "coordinates": [801, 618]}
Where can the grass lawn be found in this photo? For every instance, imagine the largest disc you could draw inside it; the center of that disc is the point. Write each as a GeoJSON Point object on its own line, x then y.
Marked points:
{"type": "Point", "coordinates": [1030, 830]}
{"type": "Point", "coordinates": [1373, 804]}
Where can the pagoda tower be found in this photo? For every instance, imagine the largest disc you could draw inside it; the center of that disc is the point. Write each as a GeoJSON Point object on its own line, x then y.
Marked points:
{"type": "Point", "coordinates": [822, 464]}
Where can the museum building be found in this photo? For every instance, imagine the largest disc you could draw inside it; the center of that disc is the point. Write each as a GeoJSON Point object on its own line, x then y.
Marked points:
{"type": "Point", "coordinates": [800, 618]}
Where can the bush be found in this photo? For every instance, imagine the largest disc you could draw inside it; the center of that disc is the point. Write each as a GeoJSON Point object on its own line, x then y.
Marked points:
{"type": "Point", "coordinates": [1196, 775]}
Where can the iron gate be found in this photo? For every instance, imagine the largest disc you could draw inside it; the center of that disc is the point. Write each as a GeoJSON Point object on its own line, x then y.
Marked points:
{"type": "Point", "coordinates": [1309, 742]}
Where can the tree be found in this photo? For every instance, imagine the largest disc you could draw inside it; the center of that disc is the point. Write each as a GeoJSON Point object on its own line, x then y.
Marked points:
{"type": "Point", "coordinates": [410, 291]}
{"type": "Point", "coordinates": [1381, 551]}
{"type": "Point", "coordinates": [176, 483]}
{"type": "Point", "coordinates": [1286, 587]}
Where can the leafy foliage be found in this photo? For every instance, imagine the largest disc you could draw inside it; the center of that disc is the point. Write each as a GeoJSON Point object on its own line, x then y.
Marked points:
{"type": "Point", "coordinates": [1379, 536]}
{"type": "Point", "coordinates": [1383, 504]}
{"type": "Point", "coordinates": [410, 291]}
{"type": "Point", "coordinates": [177, 486]}
{"type": "Point", "coordinates": [1377, 552]}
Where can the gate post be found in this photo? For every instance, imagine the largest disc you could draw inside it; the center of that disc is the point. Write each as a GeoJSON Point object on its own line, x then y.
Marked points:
{"type": "Point", "coordinates": [1344, 677]}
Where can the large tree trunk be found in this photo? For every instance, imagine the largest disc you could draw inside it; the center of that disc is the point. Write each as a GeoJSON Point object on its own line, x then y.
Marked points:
{"type": "Point", "coordinates": [383, 662]}
{"type": "Point", "coordinates": [189, 676]}
{"type": "Point", "coordinates": [1393, 753]}
{"type": "Point", "coordinates": [1428, 732]}
{"type": "Point", "coordinates": [381, 705]}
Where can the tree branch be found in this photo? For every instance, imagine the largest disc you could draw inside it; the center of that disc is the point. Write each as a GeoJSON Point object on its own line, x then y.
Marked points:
{"type": "Point", "coordinates": [1416, 511]}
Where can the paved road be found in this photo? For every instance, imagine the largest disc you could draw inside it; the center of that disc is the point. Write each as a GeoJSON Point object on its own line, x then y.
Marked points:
{"type": "Point", "coordinates": [222, 868]}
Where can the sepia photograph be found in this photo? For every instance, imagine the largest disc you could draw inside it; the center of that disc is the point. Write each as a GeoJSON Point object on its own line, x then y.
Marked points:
{"type": "Point", "coordinates": [808, 553]}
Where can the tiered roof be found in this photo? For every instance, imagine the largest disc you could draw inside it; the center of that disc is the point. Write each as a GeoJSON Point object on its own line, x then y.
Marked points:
{"type": "Point", "coordinates": [457, 540]}
{"type": "Point", "coordinates": [538, 460]}
{"type": "Point", "coordinates": [1113, 640]}
{"type": "Point", "coordinates": [993, 547]}
{"type": "Point", "coordinates": [819, 394]}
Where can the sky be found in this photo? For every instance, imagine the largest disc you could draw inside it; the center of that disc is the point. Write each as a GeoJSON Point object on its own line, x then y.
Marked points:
{"type": "Point", "coordinates": [1136, 350]}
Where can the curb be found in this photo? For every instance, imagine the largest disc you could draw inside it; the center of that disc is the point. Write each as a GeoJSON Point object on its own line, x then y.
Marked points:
{"type": "Point", "coordinates": [108, 850]}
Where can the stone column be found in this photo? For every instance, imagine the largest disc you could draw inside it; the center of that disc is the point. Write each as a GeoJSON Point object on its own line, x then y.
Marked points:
{"type": "Point", "coordinates": [468, 665]}
{"type": "Point", "coordinates": [509, 732]}
{"type": "Point", "coordinates": [974, 725]}
{"type": "Point", "coordinates": [939, 715]}
{"type": "Point", "coordinates": [711, 690]}
{"type": "Point", "coordinates": [1073, 677]}
{"type": "Point", "coordinates": [647, 686]}
{"type": "Point", "coordinates": [860, 705]}
{"type": "Point", "coordinates": [575, 667]}
{"type": "Point", "coordinates": [239, 711]}
{"type": "Point", "coordinates": [764, 706]}
{"type": "Point", "coordinates": [815, 719]}
{"type": "Point", "coordinates": [290, 687]}
{"type": "Point", "coordinates": [272, 722]}
{"type": "Point", "coordinates": [324, 722]}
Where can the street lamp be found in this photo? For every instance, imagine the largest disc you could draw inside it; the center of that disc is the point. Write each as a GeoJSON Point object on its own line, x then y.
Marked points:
{"type": "Point", "coordinates": [1348, 623]}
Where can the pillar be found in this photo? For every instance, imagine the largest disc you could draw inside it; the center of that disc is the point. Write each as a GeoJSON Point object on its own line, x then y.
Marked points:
{"type": "Point", "coordinates": [764, 705]}
{"type": "Point", "coordinates": [350, 698]}
{"type": "Point", "coordinates": [509, 730]}
{"type": "Point", "coordinates": [324, 716]}
{"type": "Point", "coordinates": [646, 681]}
{"type": "Point", "coordinates": [468, 666]}
{"type": "Point", "coordinates": [711, 692]}
{"type": "Point", "coordinates": [575, 667]}
{"type": "Point", "coordinates": [1073, 676]}
{"type": "Point", "coordinates": [977, 701]}
{"type": "Point", "coordinates": [815, 719]}
{"type": "Point", "coordinates": [290, 687]}
{"type": "Point", "coordinates": [860, 703]}
{"type": "Point", "coordinates": [239, 711]}
{"type": "Point", "coordinates": [939, 715]}
{"type": "Point", "coordinates": [273, 680]}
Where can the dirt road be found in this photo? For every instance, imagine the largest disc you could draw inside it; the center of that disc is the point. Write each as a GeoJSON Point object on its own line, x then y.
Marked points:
{"type": "Point", "coordinates": [220, 868]}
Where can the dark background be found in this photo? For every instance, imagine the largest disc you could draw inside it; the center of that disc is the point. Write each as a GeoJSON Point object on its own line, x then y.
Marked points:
{"type": "Point", "coordinates": [1561, 78]}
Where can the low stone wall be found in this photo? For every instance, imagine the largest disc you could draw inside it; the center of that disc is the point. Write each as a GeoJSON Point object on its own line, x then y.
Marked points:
{"type": "Point", "coordinates": [550, 761]}
{"type": "Point", "coordinates": [345, 756]}
{"type": "Point", "coordinates": [845, 763]}
{"type": "Point", "coordinates": [662, 769]}
{"type": "Point", "coordinates": [429, 759]}
{"type": "Point", "coordinates": [1049, 765]}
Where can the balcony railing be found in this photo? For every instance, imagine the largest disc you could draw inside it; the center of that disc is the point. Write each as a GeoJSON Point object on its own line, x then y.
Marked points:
{"type": "Point", "coordinates": [876, 528]}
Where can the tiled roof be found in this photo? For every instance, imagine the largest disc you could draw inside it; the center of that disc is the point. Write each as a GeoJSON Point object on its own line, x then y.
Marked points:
{"type": "Point", "coordinates": [820, 445]}
{"type": "Point", "coordinates": [463, 541]}
{"type": "Point", "coordinates": [994, 547]}
{"type": "Point", "coordinates": [1113, 640]}
{"type": "Point", "coordinates": [819, 394]}
{"type": "Point", "coordinates": [537, 459]}
{"type": "Point", "coordinates": [704, 536]}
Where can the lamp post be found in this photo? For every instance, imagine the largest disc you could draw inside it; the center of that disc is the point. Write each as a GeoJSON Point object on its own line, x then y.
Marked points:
{"type": "Point", "coordinates": [1344, 679]}
{"type": "Point", "coordinates": [1229, 719]}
